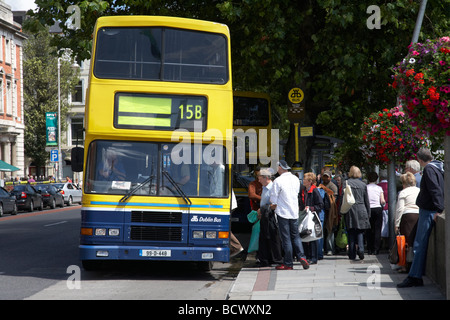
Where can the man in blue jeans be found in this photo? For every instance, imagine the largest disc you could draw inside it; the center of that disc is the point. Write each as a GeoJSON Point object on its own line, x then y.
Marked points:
{"type": "Point", "coordinates": [430, 202]}
{"type": "Point", "coordinates": [284, 200]}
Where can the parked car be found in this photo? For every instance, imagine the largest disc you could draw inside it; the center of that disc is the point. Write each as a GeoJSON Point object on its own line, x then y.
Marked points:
{"type": "Point", "coordinates": [27, 197]}
{"type": "Point", "coordinates": [51, 196]}
{"type": "Point", "coordinates": [70, 192]}
{"type": "Point", "coordinates": [7, 202]}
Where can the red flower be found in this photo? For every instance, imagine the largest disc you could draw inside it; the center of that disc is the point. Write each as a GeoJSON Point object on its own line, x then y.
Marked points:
{"type": "Point", "coordinates": [434, 96]}
{"type": "Point", "coordinates": [410, 72]}
{"type": "Point", "coordinates": [426, 102]}
{"type": "Point", "coordinates": [418, 76]}
{"type": "Point", "coordinates": [431, 109]}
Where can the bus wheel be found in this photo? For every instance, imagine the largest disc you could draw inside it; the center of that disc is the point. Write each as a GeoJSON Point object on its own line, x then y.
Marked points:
{"type": "Point", "coordinates": [205, 265]}
{"type": "Point", "coordinates": [91, 265]}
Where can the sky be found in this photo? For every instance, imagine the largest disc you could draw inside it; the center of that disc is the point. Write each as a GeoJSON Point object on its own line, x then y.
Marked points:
{"type": "Point", "coordinates": [19, 5]}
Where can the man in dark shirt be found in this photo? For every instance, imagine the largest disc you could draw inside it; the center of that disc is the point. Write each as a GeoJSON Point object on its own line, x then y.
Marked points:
{"type": "Point", "coordinates": [430, 202]}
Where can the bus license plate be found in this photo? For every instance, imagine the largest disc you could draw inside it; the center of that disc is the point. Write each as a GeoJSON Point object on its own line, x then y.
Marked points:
{"type": "Point", "coordinates": [155, 253]}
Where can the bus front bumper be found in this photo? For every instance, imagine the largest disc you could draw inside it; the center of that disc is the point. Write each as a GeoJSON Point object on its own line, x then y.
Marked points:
{"type": "Point", "coordinates": [107, 252]}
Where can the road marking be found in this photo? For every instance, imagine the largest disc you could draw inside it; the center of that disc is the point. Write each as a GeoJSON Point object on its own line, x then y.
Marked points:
{"type": "Point", "coordinates": [54, 224]}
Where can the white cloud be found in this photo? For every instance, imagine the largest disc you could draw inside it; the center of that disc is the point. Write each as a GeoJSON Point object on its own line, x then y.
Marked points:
{"type": "Point", "coordinates": [21, 5]}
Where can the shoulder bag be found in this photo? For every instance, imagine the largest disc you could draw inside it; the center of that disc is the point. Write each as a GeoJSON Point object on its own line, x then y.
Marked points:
{"type": "Point", "coordinates": [348, 200]}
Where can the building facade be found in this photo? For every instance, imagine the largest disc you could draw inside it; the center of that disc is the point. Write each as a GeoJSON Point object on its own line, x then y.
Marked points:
{"type": "Point", "coordinates": [11, 92]}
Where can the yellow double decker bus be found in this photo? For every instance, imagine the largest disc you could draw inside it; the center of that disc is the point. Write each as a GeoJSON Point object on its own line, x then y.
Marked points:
{"type": "Point", "coordinates": [252, 124]}
{"type": "Point", "coordinates": [157, 182]}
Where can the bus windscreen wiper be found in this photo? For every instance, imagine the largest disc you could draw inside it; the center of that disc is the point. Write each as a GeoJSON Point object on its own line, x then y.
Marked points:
{"type": "Point", "coordinates": [181, 192]}
{"type": "Point", "coordinates": [136, 188]}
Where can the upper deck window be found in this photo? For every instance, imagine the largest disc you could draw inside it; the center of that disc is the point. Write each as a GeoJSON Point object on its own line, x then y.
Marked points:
{"type": "Point", "coordinates": [252, 112]}
{"type": "Point", "coordinates": [161, 54]}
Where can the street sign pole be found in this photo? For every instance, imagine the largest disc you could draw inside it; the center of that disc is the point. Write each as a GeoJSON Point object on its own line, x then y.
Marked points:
{"type": "Point", "coordinates": [296, 112]}
{"type": "Point", "coordinates": [297, 155]}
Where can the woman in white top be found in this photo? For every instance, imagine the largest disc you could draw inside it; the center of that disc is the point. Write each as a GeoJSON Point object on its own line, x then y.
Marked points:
{"type": "Point", "coordinates": [407, 212]}
{"type": "Point", "coordinates": [376, 199]}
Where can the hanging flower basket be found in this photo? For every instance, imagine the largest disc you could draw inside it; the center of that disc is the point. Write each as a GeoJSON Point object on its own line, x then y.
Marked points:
{"type": "Point", "coordinates": [388, 136]}
{"type": "Point", "coordinates": [423, 83]}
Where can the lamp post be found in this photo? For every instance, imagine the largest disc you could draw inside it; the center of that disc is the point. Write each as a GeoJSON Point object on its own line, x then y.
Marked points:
{"type": "Point", "coordinates": [74, 66]}
{"type": "Point", "coordinates": [59, 121]}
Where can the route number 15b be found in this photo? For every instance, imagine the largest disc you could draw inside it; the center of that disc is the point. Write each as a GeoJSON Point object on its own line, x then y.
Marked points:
{"type": "Point", "coordinates": [190, 112]}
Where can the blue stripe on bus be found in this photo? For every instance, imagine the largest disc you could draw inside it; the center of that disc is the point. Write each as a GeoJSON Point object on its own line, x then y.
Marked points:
{"type": "Point", "coordinates": [108, 203]}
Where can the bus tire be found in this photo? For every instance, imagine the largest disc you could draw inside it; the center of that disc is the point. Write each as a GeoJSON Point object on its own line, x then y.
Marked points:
{"type": "Point", "coordinates": [91, 265]}
{"type": "Point", "coordinates": [204, 265]}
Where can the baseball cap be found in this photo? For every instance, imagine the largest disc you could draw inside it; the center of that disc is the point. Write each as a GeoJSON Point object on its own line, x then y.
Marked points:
{"type": "Point", "coordinates": [327, 173]}
{"type": "Point", "coordinates": [283, 164]}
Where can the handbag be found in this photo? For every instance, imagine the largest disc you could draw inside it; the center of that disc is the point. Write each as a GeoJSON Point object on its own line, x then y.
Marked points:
{"type": "Point", "coordinates": [341, 236]}
{"type": "Point", "coordinates": [401, 250]}
{"type": "Point", "coordinates": [348, 200]}
{"type": "Point", "coordinates": [254, 238]}
{"type": "Point", "coordinates": [310, 229]}
{"type": "Point", "coordinates": [393, 253]}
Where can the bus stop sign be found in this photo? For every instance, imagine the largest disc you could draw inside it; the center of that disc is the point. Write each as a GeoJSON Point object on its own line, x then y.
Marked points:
{"type": "Point", "coordinates": [296, 112]}
{"type": "Point", "coordinates": [296, 95]}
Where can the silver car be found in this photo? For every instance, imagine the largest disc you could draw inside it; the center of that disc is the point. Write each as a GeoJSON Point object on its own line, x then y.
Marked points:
{"type": "Point", "coordinates": [70, 192]}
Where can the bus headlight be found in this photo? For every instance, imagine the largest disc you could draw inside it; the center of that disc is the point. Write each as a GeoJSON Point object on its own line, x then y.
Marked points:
{"type": "Point", "coordinates": [100, 232]}
{"type": "Point", "coordinates": [113, 232]}
{"type": "Point", "coordinates": [197, 234]}
{"type": "Point", "coordinates": [210, 235]}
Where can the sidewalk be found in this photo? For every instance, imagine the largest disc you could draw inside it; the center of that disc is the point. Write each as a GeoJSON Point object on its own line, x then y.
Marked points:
{"type": "Point", "coordinates": [334, 277]}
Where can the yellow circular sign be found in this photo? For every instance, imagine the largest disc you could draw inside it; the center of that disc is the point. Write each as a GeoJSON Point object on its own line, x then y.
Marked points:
{"type": "Point", "coordinates": [296, 95]}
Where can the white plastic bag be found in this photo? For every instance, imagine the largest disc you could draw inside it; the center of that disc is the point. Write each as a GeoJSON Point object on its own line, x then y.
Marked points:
{"type": "Point", "coordinates": [348, 200]}
{"type": "Point", "coordinates": [310, 229]}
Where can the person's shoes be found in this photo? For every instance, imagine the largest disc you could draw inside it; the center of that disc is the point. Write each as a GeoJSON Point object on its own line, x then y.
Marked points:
{"type": "Point", "coordinates": [410, 282]}
{"type": "Point", "coordinates": [361, 255]}
{"type": "Point", "coordinates": [284, 267]}
{"type": "Point", "coordinates": [304, 263]}
{"type": "Point", "coordinates": [240, 255]}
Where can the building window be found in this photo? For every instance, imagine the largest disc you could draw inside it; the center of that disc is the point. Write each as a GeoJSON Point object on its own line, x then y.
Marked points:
{"type": "Point", "coordinates": [9, 93]}
{"type": "Point", "coordinates": [2, 110]}
{"type": "Point", "coordinates": [8, 51]}
{"type": "Point", "coordinates": [1, 48]}
{"type": "Point", "coordinates": [77, 96]}
{"type": "Point", "coordinates": [76, 130]}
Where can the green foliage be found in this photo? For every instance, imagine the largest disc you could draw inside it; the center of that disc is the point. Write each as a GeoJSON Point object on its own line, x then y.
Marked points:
{"type": "Point", "coordinates": [41, 92]}
{"type": "Point", "coordinates": [323, 46]}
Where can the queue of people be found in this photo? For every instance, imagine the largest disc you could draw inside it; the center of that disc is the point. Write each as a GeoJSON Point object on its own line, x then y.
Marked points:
{"type": "Point", "coordinates": [279, 202]}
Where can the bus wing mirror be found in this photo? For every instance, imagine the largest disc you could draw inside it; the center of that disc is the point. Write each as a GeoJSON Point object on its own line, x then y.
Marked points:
{"type": "Point", "coordinates": [77, 157]}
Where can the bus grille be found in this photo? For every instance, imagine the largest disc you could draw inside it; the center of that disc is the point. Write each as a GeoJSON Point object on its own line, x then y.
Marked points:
{"type": "Point", "coordinates": [153, 233]}
{"type": "Point", "coordinates": [156, 217]}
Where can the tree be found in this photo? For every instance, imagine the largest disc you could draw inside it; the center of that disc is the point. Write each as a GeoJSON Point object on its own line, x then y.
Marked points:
{"type": "Point", "coordinates": [41, 92]}
{"type": "Point", "coordinates": [323, 46]}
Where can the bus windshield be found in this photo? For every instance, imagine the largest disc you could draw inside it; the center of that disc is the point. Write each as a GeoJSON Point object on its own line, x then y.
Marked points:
{"type": "Point", "coordinates": [161, 54]}
{"type": "Point", "coordinates": [116, 167]}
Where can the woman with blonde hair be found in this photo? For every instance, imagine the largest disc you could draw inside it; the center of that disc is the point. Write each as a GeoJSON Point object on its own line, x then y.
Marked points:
{"type": "Point", "coordinates": [357, 218]}
{"type": "Point", "coordinates": [407, 212]}
{"type": "Point", "coordinates": [309, 197]}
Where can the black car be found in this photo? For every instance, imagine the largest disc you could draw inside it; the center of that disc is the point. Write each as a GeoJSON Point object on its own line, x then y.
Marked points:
{"type": "Point", "coordinates": [51, 196]}
{"type": "Point", "coordinates": [27, 197]}
{"type": "Point", "coordinates": [7, 202]}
